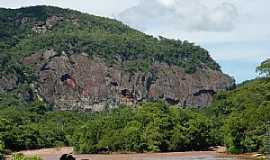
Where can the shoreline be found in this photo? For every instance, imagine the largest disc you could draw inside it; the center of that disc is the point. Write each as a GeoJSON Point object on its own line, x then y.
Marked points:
{"type": "Point", "coordinates": [55, 154]}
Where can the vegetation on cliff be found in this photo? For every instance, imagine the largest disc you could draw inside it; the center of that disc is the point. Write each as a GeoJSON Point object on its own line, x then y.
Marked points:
{"type": "Point", "coordinates": [28, 30]}
{"type": "Point", "coordinates": [264, 68]}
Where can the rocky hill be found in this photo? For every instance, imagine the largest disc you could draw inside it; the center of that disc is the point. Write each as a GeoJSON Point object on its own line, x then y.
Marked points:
{"type": "Point", "coordinates": [77, 61]}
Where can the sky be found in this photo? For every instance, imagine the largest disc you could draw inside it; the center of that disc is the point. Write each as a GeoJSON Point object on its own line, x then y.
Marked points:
{"type": "Point", "coordinates": [235, 32]}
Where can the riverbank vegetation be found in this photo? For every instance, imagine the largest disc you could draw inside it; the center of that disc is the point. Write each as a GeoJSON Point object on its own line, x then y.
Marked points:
{"type": "Point", "coordinates": [150, 127]}
{"type": "Point", "coordinates": [22, 157]}
{"type": "Point", "coordinates": [146, 127]}
{"type": "Point", "coordinates": [238, 119]}
{"type": "Point", "coordinates": [244, 114]}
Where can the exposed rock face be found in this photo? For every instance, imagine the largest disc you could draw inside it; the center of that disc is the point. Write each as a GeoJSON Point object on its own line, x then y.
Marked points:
{"type": "Point", "coordinates": [43, 27]}
{"type": "Point", "coordinates": [8, 82]}
{"type": "Point", "coordinates": [93, 86]}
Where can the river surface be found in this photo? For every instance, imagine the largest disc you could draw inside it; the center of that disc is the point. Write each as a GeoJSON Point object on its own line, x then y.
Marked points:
{"type": "Point", "coordinates": [55, 154]}
{"type": "Point", "coordinates": [146, 157]}
{"type": "Point", "coordinates": [192, 158]}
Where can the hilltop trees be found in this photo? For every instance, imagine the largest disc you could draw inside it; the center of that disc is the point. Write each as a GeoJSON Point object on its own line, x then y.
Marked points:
{"type": "Point", "coordinates": [74, 32]}
{"type": "Point", "coordinates": [264, 68]}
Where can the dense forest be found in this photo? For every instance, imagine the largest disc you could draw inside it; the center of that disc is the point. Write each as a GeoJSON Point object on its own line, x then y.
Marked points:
{"type": "Point", "coordinates": [146, 127]}
{"type": "Point", "coordinates": [244, 114]}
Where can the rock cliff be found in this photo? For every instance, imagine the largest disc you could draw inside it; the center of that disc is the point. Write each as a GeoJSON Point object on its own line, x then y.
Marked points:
{"type": "Point", "coordinates": [77, 61]}
{"type": "Point", "coordinates": [98, 85]}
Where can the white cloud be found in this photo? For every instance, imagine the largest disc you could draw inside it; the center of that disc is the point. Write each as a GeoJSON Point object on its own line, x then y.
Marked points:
{"type": "Point", "coordinates": [106, 8]}
{"type": "Point", "coordinates": [189, 15]}
{"type": "Point", "coordinates": [257, 55]}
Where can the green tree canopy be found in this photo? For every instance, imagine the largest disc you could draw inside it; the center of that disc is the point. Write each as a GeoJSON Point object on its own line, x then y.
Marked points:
{"type": "Point", "coordinates": [264, 68]}
{"type": "Point", "coordinates": [1, 147]}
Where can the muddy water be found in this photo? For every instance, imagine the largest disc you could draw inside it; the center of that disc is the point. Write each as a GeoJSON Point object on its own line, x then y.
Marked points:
{"type": "Point", "coordinates": [55, 154]}
{"type": "Point", "coordinates": [155, 156]}
{"type": "Point", "coordinates": [192, 158]}
{"type": "Point", "coordinates": [146, 157]}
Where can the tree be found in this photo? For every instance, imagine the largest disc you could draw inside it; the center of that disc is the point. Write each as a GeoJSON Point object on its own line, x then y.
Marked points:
{"type": "Point", "coordinates": [264, 68]}
{"type": "Point", "coordinates": [1, 147]}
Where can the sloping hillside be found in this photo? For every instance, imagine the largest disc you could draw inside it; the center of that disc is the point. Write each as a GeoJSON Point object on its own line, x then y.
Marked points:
{"type": "Point", "coordinates": [77, 61]}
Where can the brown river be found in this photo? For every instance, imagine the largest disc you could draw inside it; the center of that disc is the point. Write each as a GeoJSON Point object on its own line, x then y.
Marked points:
{"type": "Point", "coordinates": [55, 154]}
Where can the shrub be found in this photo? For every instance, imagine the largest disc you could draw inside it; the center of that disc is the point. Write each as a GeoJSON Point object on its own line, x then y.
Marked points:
{"type": "Point", "coordinates": [22, 157]}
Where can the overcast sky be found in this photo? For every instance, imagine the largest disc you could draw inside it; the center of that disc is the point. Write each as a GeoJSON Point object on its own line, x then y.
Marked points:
{"type": "Point", "coordinates": [236, 32]}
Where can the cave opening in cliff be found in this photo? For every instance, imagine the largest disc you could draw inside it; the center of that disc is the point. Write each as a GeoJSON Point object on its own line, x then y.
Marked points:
{"type": "Point", "coordinates": [171, 101]}
{"type": "Point", "coordinates": [45, 67]}
{"type": "Point", "coordinates": [68, 80]}
{"type": "Point", "coordinates": [211, 92]}
{"type": "Point", "coordinates": [126, 93]}
{"type": "Point", "coordinates": [114, 83]}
